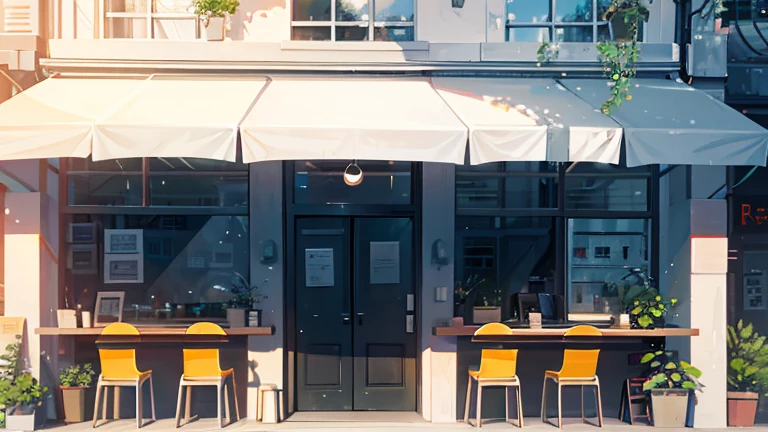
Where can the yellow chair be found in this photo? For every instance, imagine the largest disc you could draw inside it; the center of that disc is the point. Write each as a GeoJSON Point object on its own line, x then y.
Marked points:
{"type": "Point", "coordinates": [118, 369]}
{"type": "Point", "coordinates": [202, 368]}
{"type": "Point", "coordinates": [498, 368]}
{"type": "Point", "coordinates": [579, 369]}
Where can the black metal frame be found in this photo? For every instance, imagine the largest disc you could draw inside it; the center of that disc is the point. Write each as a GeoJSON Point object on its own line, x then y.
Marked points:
{"type": "Point", "coordinates": [561, 215]}
{"type": "Point", "coordinates": [293, 211]}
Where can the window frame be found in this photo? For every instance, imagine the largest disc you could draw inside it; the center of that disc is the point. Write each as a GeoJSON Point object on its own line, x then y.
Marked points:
{"type": "Point", "coordinates": [149, 15]}
{"type": "Point", "coordinates": [553, 25]}
{"type": "Point", "coordinates": [372, 24]}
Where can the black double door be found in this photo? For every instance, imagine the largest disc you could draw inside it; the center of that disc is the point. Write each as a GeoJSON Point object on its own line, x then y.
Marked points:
{"type": "Point", "coordinates": [356, 341]}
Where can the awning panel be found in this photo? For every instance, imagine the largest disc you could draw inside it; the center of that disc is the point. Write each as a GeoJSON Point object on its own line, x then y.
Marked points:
{"type": "Point", "coordinates": [178, 117]}
{"type": "Point", "coordinates": [55, 118]}
{"type": "Point", "coordinates": [668, 122]}
{"type": "Point", "coordinates": [522, 119]}
{"type": "Point", "coordinates": [352, 118]}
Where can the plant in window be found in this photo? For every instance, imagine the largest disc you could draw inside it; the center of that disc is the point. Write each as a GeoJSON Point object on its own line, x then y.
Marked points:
{"type": "Point", "coordinates": [243, 293]}
{"type": "Point", "coordinates": [547, 52]}
{"type": "Point", "coordinates": [649, 308]}
{"type": "Point", "coordinates": [215, 16]}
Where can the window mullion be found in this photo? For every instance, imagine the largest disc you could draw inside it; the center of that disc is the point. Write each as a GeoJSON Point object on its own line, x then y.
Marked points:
{"type": "Point", "coordinates": [145, 198]}
{"type": "Point", "coordinates": [371, 20]}
{"type": "Point", "coordinates": [333, 20]}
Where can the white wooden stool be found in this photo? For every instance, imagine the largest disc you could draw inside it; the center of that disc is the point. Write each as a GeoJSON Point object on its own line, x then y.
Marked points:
{"type": "Point", "coordinates": [268, 404]}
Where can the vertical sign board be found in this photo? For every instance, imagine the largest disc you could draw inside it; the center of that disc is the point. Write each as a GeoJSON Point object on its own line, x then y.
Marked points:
{"type": "Point", "coordinates": [319, 267]}
{"type": "Point", "coordinates": [385, 263]}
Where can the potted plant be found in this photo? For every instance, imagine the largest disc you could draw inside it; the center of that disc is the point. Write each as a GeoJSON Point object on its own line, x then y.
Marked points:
{"type": "Point", "coordinates": [625, 17]}
{"type": "Point", "coordinates": [215, 15]}
{"type": "Point", "coordinates": [642, 301]}
{"type": "Point", "coordinates": [243, 297]}
{"type": "Point", "coordinates": [74, 381]}
{"type": "Point", "coordinates": [463, 293]}
{"type": "Point", "coordinates": [747, 373]}
{"type": "Point", "coordinates": [670, 384]}
{"type": "Point", "coordinates": [21, 397]}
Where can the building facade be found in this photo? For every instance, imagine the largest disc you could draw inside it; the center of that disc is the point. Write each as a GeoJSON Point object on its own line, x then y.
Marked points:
{"type": "Point", "coordinates": [338, 266]}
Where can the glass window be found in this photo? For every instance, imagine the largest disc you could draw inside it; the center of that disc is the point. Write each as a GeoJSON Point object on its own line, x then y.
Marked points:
{"type": "Point", "coordinates": [114, 182]}
{"type": "Point", "coordinates": [197, 182]}
{"type": "Point", "coordinates": [322, 182]}
{"type": "Point", "coordinates": [595, 186]}
{"type": "Point", "coordinates": [190, 264]}
{"type": "Point", "coordinates": [507, 185]}
{"type": "Point", "coordinates": [391, 20]}
{"type": "Point", "coordinates": [565, 20]}
{"type": "Point", "coordinates": [497, 257]}
{"type": "Point", "coordinates": [604, 256]}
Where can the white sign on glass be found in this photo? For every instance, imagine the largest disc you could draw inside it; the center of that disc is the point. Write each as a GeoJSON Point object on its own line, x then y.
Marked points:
{"type": "Point", "coordinates": [385, 263]}
{"type": "Point", "coordinates": [319, 267]}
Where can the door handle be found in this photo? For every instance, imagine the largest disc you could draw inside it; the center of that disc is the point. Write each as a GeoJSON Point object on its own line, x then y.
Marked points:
{"type": "Point", "coordinates": [345, 320]}
{"type": "Point", "coordinates": [360, 318]}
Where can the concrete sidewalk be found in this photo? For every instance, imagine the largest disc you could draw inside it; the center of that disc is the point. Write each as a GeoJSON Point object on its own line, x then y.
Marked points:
{"type": "Point", "coordinates": [409, 424]}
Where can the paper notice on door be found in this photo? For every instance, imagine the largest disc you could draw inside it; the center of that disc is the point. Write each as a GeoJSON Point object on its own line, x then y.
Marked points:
{"type": "Point", "coordinates": [319, 267]}
{"type": "Point", "coordinates": [385, 263]}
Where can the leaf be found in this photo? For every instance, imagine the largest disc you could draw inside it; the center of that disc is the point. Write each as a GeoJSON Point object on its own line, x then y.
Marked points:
{"type": "Point", "coordinates": [644, 321]}
{"type": "Point", "coordinates": [689, 385]}
{"type": "Point", "coordinates": [746, 332]}
{"type": "Point", "coordinates": [647, 357]}
{"type": "Point", "coordinates": [695, 372]}
{"type": "Point", "coordinates": [670, 365]}
{"type": "Point", "coordinates": [655, 364]}
{"type": "Point", "coordinates": [737, 364]}
{"type": "Point", "coordinates": [676, 377]}
{"type": "Point", "coordinates": [751, 370]}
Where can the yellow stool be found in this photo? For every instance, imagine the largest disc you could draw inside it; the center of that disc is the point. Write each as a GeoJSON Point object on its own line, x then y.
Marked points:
{"type": "Point", "coordinates": [118, 369]}
{"type": "Point", "coordinates": [202, 368]}
{"type": "Point", "coordinates": [579, 369]}
{"type": "Point", "coordinates": [498, 368]}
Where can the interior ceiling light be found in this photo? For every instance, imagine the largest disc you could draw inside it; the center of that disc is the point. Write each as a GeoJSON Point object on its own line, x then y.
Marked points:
{"type": "Point", "coordinates": [353, 175]}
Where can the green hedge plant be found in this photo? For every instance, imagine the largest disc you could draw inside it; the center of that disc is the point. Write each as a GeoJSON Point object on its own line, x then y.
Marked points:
{"type": "Point", "coordinates": [747, 359]}
{"type": "Point", "coordinates": [664, 373]}
{"type": "Point", "coordinates": [77, 376]}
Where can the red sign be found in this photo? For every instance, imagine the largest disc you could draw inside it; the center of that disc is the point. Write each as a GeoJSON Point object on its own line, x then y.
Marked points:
{"type": "Point", "coordinates": [751, 215]}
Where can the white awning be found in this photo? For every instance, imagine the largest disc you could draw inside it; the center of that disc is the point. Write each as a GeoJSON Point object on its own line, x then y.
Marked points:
{"type": "Point", "coordinates": [526, 119]}
{"type": "Point", "coordinates": [352, 118]}
{"type": "Point", "coordinates": [178, 117]}
{"type": "Point", "coordinates": [668, 122]}
{"type": "Point", "coordinates": [55, 118]}
{"type": "Point", "coordinates": [190, 116]}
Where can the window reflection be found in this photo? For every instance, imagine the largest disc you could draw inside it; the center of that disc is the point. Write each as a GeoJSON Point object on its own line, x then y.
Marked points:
{"type": "Point", "coordinates": [351, 33]}
{"type": "Point", "coordinates": [528, 34]}
{"type": "Point", "coordinates": [573, 11]}
{"type": "Point", "coordinates": [574, 34]}
{"type": "Point", "coordinates": [312, 33]}
{"type": "Point", "coordinates": [312, 10]}
{"type": "Point", "coordinates": [191, 264]}
{"type": "Point", "coordinates": [322, 182]}
{"type": "Point", "coordinates": [393, 10]}
{"type": "Point", "coordinates": [197, 182]}
{"type": "Point", "coordinates": [397, 34]}
{"type": "Point", "coordinates": [528, 11]}
{"type": "Point", "coordinates": [352, 10]}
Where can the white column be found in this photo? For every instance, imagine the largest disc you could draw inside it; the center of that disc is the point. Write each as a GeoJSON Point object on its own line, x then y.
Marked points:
{"type": "Point", "coordinates": [438, 355]}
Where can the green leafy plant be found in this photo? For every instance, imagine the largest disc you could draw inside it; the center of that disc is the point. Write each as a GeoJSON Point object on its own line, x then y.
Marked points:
{"type": "Point", "coordinates": [547, 52]}
{"type": "Point", "coordinates": [649, 306]}
{"type": "Point", "coordinates": [243, 293]}
{"type": "Point", "coordinates": [77, 376]}
{"type": "Point", "coordinates": [206, 9]}
{"type": "Point", "coordinates": [748, 359]}
{"type": "Point", "coordinates": [9, 362]}
{"type": "Point", "coordinates": [664, 373]}
{"type": "Point", "coordinates": [21, 394]}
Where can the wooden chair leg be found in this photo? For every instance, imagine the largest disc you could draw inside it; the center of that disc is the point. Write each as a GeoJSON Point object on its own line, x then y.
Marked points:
{"type": "Point", "coordinates": [99, 389]}
{"type": "Point", "coordinates": [105, 403]}
{"type": "Point", "coordinates": [234, 395]}
{"type": "Point", "coordinates": [139, 408]}
{"type": "Point", "coordinates": [152, 397]}
{"type": "Point", "coordinates": [218, 404]}
{"type": "Point", "coordinates": [544, 402]}
{"type": "Point", "coordinates": [227, 410]}
{"type": "Point", "coordinates": [519, 406]}
{"type": "Point", "coordinates": [506, 404]}
{"type": "Point", "coordinates": [188, 405]}
{"type": "Point", "coordinates": [469, 396]}
{"type": "Point", "coordinates": [559, 405]}
{"type": "Point", "coordinates": [479, 408]}
{"type": "Point", "coordinates": [178, 403]}
{"type": "Point", "coordinates": [583, 418]}
{"type": "Point", "coordinates": [600, 406]}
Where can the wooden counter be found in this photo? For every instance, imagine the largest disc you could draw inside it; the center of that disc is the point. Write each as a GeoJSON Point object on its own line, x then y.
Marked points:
{"type": "Point", "coordinates": [560, 332]}
{"type": "Point", "coordinates": [151, 331]}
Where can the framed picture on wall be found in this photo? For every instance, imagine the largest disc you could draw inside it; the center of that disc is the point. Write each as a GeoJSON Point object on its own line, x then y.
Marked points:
{"type": "Point", "coordinates": [123, 268]}
{"type": "Point", "coordinates": [123, 241]}
{"type": "Point", "coordinates": [109, 308]}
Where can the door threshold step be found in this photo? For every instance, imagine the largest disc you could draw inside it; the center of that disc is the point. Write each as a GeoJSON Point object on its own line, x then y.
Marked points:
{"type": "Point", "coordinates": [356, 416]}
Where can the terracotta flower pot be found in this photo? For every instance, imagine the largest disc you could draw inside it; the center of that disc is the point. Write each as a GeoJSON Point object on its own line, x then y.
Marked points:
{"type": "Point", "coordinates": [74, 404]}
{"type": "Point", "coordinates": [742, 407]}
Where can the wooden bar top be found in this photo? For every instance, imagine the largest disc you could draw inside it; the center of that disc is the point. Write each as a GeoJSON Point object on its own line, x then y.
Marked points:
{"type": "Point", "coordinates": [560, 332]}
{"type": "Point", "coordinates": [151, 331]}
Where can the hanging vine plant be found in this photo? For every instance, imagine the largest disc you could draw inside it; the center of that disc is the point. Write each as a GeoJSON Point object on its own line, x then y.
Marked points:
{"type": "Point", "coordinates": [619, 56]}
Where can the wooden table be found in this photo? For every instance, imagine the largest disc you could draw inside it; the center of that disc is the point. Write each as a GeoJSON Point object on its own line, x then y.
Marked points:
{"type": "Point", "coordinates": [151, 331]}
{"type": "Point", "coordinates": [560, 332]}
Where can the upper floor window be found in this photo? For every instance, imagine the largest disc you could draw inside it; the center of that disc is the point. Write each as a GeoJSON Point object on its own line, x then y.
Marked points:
{"type": "Point", "coordinates": [353, 20]}
{"type": "Point", "coordinates": [558, 21]}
